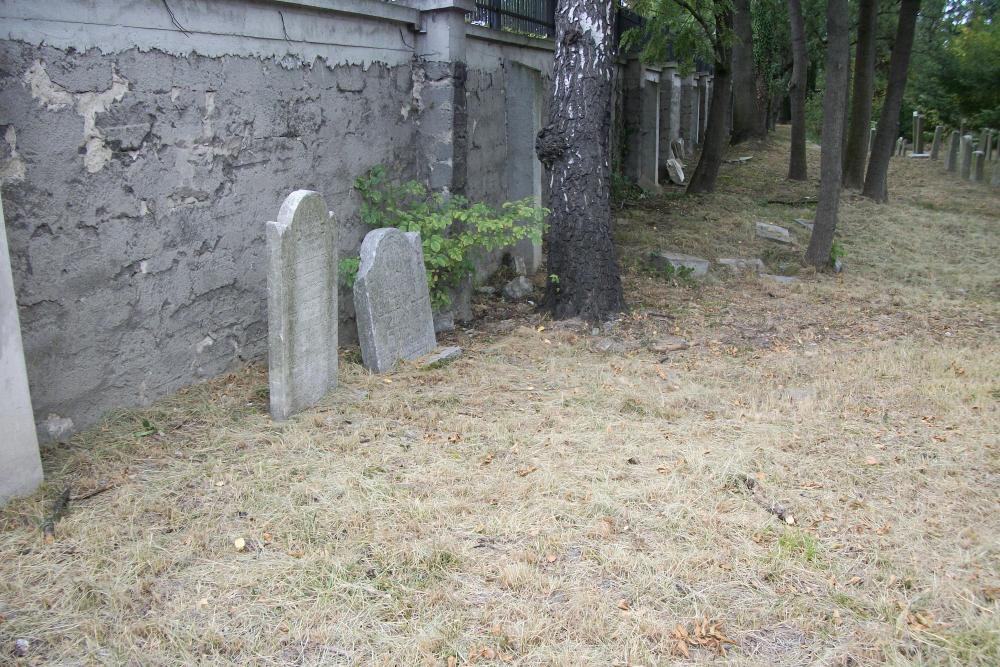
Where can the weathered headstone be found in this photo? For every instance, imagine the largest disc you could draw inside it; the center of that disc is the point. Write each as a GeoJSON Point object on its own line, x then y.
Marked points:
{"type": "Point", "coordinates": [953, 147]}
{"type": "Point", "coordinates": [675, 171]}
{"type": "Point", "coordinates": [741, 264]}
{"type": "Point", "coordinates": [918, 133]}
{"type": "Point", "coordinates": [676, 260]}
{"type": "Point", "coordinates": [978, 166]}
{"type": "Point", "coordinates": [679, 149]}
{"type": "Point", "coordinates": [936, 144]}
{"type": "Point", "coordinates": [391, 299]}
{"type": "Point", "coordinates": [871, 139]}
{"type": "Point", "coordinates": [301, 303]}
{"type": "Point", "coordinates": [995, 179]}
{"type": "Point", "coordinates": [900, 146]}
{"type": "Point", "coordinates": [20, 464]}
{"type": "Point", "coordinates": [965, 157]}
{"type": "Point", "coordinates": [773, 232]}
{"type": "Point", "coordinates": [989, 146]}
{"type": "Point", "coordinates": [983, 134]}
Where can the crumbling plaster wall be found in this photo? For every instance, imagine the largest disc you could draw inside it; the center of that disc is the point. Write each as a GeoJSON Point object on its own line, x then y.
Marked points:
{"type": "Point", "coordinates": [143, 151]}
{"type": "Point", "coordinates": [137, 183]}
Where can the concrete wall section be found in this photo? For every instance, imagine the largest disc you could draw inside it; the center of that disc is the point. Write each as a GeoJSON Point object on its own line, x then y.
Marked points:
{"type": "Point", "coordinates": [138, 183]}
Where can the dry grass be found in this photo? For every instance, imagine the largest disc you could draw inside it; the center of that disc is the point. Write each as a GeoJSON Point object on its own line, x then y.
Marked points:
{"type": "Point", "coordinates": [540, 503]}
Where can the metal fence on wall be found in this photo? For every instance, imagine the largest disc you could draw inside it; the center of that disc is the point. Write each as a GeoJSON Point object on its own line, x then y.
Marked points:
{"type": "Point", "coordinates": [527, 17]}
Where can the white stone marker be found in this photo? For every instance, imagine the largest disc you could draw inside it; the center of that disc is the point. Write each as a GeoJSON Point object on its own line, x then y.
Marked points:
{"type": "Point", "coordinates": [391, 299]}
{"type": "Point", "coordinates": [301, 303]}
{"type": "Point", "coordinates": [936, 144]}
{"type": "Point", "coordinates": [20, 464]}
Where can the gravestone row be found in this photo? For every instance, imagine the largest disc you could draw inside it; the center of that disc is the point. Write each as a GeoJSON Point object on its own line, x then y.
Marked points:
{"type": "Point", "coordinates": [391, 301]}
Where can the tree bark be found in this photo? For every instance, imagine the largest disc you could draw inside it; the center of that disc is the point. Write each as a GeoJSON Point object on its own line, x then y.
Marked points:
{"type": "Point", "coordinates": [876, 186]}
{"type": "Point", "coordinates": [748, 119]}
{"type": "Point", "coordinates": [714, 145]}
{"type": "Point", "coordinates": [797, 92]}
{"type": "Point", "coordinates": [584, 276]}
{"type": "Point", "coordinates": [831, 158]}
{"type": "Point", "coordinates": [861, 99]}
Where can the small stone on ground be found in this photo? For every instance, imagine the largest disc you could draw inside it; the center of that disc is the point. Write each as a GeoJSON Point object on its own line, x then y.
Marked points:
{"type": "Point", "coordinates": [517, 289]}
{"type": "Point", "coordinates": [676, 260]}
{"type": "Point", "coordinates": [773, 232]}
{"type": "Point", "coordinates": [441, 356]}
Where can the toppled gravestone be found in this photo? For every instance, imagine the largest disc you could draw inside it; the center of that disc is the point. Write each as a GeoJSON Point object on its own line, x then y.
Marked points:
{"type": "Point", "coordinates": [802, 222]}
{"type": "Point", "coordinates": [672, 261]}
{"type": "Point", "coordinates": [773, 232]}
{"type": "Point", "coordinates": [675, 171]}
{"type": "Point", "coordinates": [517, 289]}
{"type": "Point", "coordinates": [391, 299]}
{"type": "Point", "coordinates": [301, 303]}
{"type": "Point", "coordinates": [741, 264]}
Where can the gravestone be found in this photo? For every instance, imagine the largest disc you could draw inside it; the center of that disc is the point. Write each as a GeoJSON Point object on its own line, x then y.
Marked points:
{"type": "Point", "coordinates": [918, 133]}
{"type": "Point", "coordinates": [965, 157]}
{"type": "Point", "coordinates": [773, 232]}
{"type": "Point", "coordinates": [900, 146]}
{"type": "Point", "coordinates": [936, 144]}
{"type": "Point", "coordinates": [983, 134]}
{"type": "Point", "coordinates": [978, 166]}
{"type": "Point", "coordinates": [953, 151]}
{"type": "Point", "coordinates": [391, 299]}
{"type": "Point", "coordinates": [301, 303]}
{"type": "Point", "coordinates": [802, 222]}
{"type": "Point", "coordinates": [995, 179]}
{"type": "Point", "coordinates": [989, 146]}
{"type": "Point", "coordinates": [20, 464]}
{"type": "Point", "coordinates": [871, 139]}
{"type": "Point", "coordinates": [741, 264]}
{"type": "Point", "coordinates": [675, 171]}
{"type": "Point", "coordinates": [678, 148]}
{"type": "Point", "coordinates": [672, 261]}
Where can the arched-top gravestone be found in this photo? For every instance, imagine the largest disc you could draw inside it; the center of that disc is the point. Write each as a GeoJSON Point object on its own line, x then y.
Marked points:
{"type": "Point", "coordinates": [391, 299]}
{"type": "Point", "coordinates": [301, 303]}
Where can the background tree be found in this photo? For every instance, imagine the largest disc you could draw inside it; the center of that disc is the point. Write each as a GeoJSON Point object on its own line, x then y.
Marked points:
{"type": "Point", "coordinates": [584, 278]}
{"type": "Point", "coordinates": [831, 162]}
{"type": "Point", "coordinates": [888, 123]}
{"type": "Point", "coordinates": [797, 170]}
{"type": "Point", "coordinates": [749, 121]}
{"type": "Point", "coordinates": [861, 100]}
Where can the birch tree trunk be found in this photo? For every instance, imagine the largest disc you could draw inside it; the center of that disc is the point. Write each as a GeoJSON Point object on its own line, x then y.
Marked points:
{"type": "Point", "coordinates": [797, 92]}
{"type": "Point", "coordinates": [876, 186]}
{"type": "Point", "coordinates": [584, 279]}
{"type": "Point", "coordinates": [831, 158]}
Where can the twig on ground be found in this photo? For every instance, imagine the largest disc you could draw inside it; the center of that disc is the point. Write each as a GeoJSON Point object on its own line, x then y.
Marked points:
{"type": "Point", "coordinates": [58, 510]}
{"type": "Point", "coordinates": [759, 497]}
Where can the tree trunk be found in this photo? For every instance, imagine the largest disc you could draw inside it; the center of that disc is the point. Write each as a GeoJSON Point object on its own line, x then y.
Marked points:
{"type": "Point", "coordinates": [584, 277]}
{"type": "Point", "coordinates": [797, 91]}
{"type": "Point", "coordinates": [861, 100]}
{"type": "Point", "coordinates": [714, 145]}
{"type": "Point", "coordinates": [876, 186]}
{"type": "Point", "coordinates": [831, 158]}
{"type": "Point", "coordinates": [748, 120]}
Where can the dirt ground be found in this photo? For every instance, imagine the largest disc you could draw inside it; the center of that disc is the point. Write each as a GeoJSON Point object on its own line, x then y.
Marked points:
{"type": "Point", "coordinates": [814, 480]}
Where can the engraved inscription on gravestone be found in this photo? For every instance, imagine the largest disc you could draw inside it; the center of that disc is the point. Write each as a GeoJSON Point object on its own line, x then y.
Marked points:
{"type": "Point", "coordinates": [391, 299]}
{"type": "Point", "coordinates": [301, 303]}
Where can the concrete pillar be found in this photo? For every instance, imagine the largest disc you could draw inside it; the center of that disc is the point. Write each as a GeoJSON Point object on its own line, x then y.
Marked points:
{"type": "Point", "coordinates": [442, 131]}
{"type": "Point", "coordinates": [670, 110]}
{"type": "Point", "coordinates": [20, 464]}
{"type": "Point", "coordinates": [642, 123]}
{"type": "Point", "coordinates": [965, 157]}
{"type": "Point", "coordinates": [689, 112]}
{"type": "Point", "coordinates": [936, 145]}
{"type": "Point", "coordinates": [953, 147]}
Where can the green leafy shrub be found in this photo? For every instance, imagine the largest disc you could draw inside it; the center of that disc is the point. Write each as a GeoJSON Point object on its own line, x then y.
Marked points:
{"type": "Point", "coordinates": [453, 230]}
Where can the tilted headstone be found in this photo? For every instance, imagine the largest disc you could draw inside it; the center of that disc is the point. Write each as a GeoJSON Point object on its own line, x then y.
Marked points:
{"type": "Point", "coordinates": [773, 232]}
{"type": "Point", "coordinates": [301, 303]}
{"type": "Point", "coordinates": [953, 148]}
{"type": "Point", "coordinates": [978, 165]}
{"type": "Point", "coordinates": [391, 299]}
{"type": "Point", "coordinates": [20, 464]}
{"type": "Point", "coordinates": [965, 157]}
{"type": "Point", "coordinates": [936, 144]}
{"type": "Point", "coordinates": [675, 171]}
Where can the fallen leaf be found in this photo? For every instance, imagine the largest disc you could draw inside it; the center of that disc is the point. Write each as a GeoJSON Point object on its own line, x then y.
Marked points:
{"type": "Point", "coordinates": [623, 605]}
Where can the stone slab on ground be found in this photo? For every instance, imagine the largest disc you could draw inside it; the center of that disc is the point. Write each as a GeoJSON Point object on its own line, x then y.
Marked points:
{"type": "Point", "coordinates": [20, 464]}
{"type": "Point", "coordinates": [920, 155]}
{"type": "Point", "coordinates": [784, 280]}
{"type": "Point", "coordinates": [441, 356]}
{"type": "Point", "coordinates": [391, 299]}
{"type": "Point", "coordinates": [676, 260]}
{"type": "Point", "coordinates": [802, 222]}
{"type": "Point", "coordinates": [302, 311]}
{"type": "Point", "coordinates": [675, 171]}
{"type": "Point", "coordinates": [773, 232]}
{"type": "Point", "coordinates": [742, 264]}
